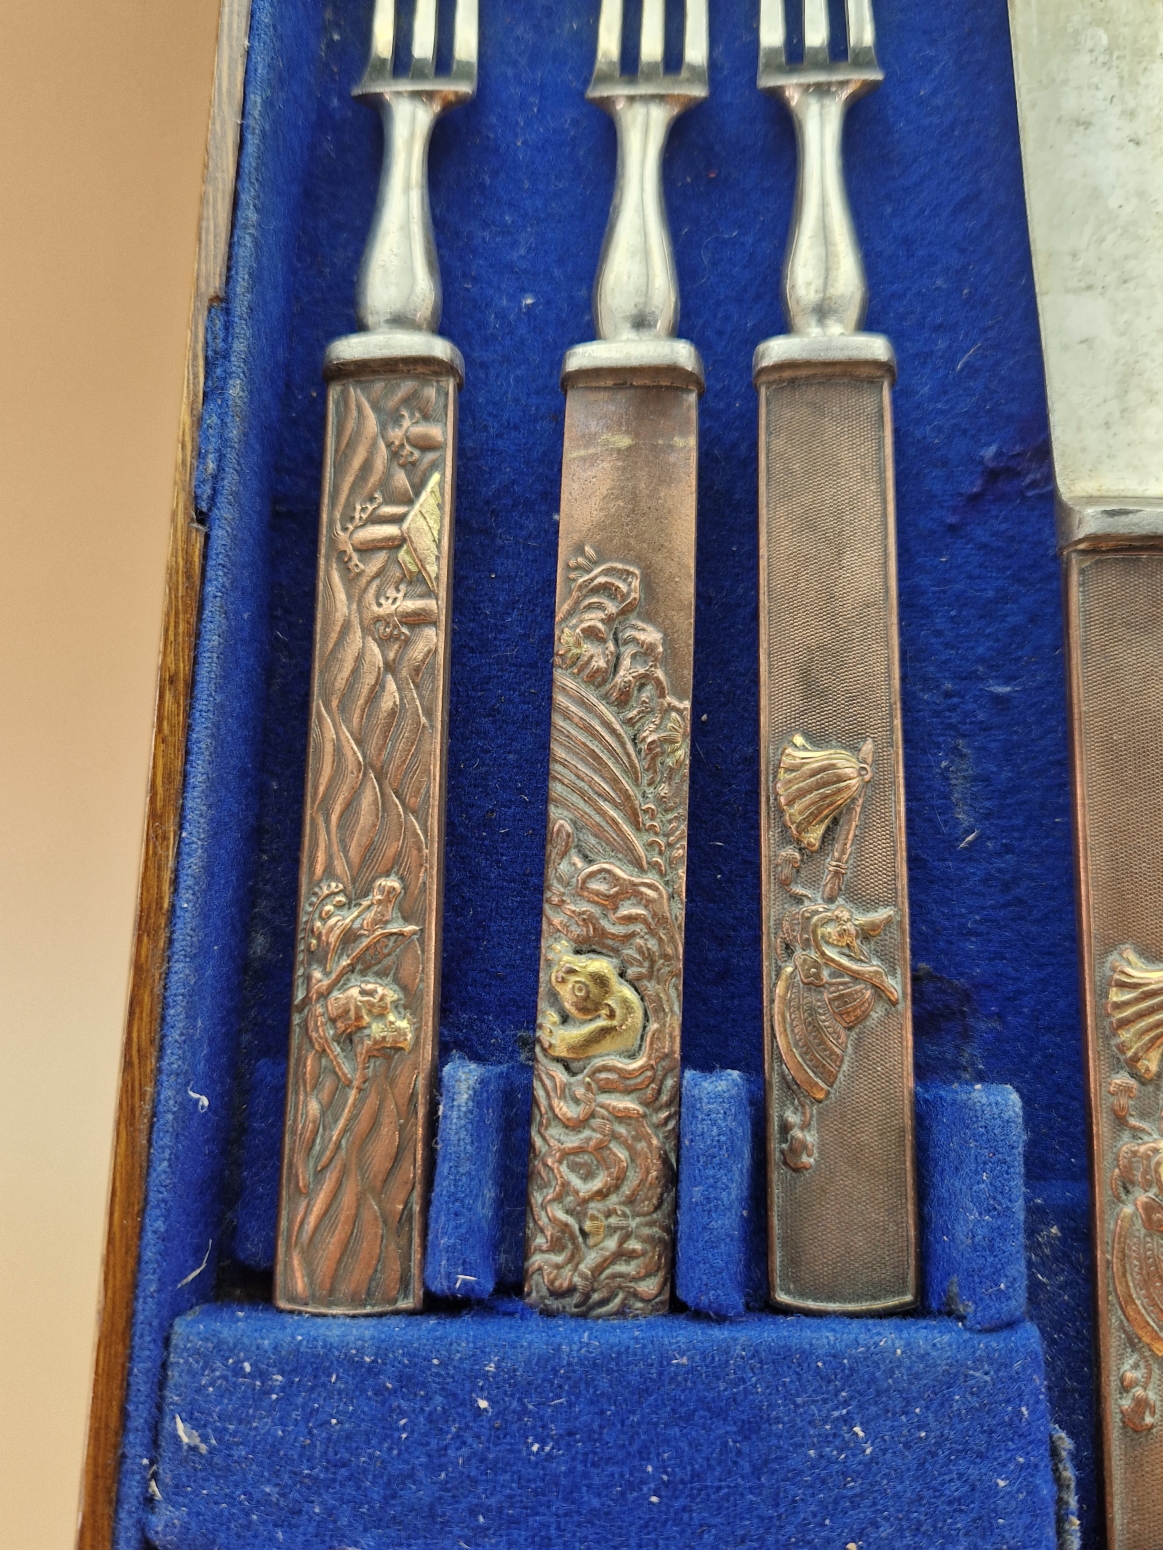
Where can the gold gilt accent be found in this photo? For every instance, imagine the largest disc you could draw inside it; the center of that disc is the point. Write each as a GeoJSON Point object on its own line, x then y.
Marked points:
{"type": "Point", "coordinates": [1134, 1005]}
{"type": "Point", "coordinates": [828, 979]}
{"type": "Point", "coordinates": [813, 784]}
{"type": "Point", "coordinates": [605, 1013]}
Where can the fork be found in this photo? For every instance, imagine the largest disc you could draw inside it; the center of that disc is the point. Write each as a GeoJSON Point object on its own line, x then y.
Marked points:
{"type": "Point", "coordinates": [636, 288]}
{"type": "Point", "coordinates": [600, 1217]}
{"type": "Point", "coordinates": [399, 279]}
{"type": "Point", "coordinates": [824, 286]}
{"type": "Point", "coordinates": [356, 1150]}
{"type": "Point", "coordinates": [838, 1044]}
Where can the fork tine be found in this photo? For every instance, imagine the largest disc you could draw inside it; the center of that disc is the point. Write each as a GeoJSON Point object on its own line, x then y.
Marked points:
{"type": "Point", "coordinates": [424, 39]}
{"type": "Point", "coordinates": [861, 33]}
{"type": "Point", "coordinates": [608, 64]}
{"type": "Point", "coordinates": [694, 43]}
{"type": "Point", "coordinates": [652, 39]}
{"type": "Point", "coordinates": [772, 36]}
{"type": "Point", "coordinates": [465, 39]}
{"type": "Point", "coordinates": [383, 35]}
{"type": "Point", "coordinates": [816, 32]}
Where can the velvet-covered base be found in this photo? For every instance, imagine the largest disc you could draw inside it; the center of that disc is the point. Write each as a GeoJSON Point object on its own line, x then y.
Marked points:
{"type": "Point", "coordinates": [499, 1427]}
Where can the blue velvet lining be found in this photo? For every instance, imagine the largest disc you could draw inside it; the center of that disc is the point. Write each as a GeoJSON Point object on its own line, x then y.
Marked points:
{"type": "Point", "coordinates": [520, 189]}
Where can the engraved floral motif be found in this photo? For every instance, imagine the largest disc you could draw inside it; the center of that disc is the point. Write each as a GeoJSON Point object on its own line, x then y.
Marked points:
{"type": "Point", "coordinates": [355, 1083]}
{"type": "Point", "coordinates": [606, 1077]}
{"type": "Point", "coordinates": [1134, 1008]}
{"type": "Point", "coordinates": [827, 980]}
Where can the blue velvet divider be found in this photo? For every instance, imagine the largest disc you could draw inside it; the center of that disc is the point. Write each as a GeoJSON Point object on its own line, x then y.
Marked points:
{"type": "Point", "coordinates": [715, 1251]}
{"type": "Point", "coordinates": [969, 1153]}
{"type": "Point", "coordinates": [520, 188]}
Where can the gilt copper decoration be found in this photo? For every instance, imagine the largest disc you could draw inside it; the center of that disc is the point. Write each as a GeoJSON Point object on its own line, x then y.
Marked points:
{"type": "Point", "coordinates": [600, 1220]}
{"type": "Point", "coordinates": [366, 992]}
{"type": "Point", "coordinates": [838, 1047]}
{"type": "Point", "coordinates": [828, 981]}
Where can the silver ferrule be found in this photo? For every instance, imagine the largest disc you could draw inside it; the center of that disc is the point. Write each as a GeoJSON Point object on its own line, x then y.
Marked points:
{"type": "Point", "coordinates": [399, 278]}
{"type": "Point", "coordinates": [636, 289]}
{"type": "Point", "coordinates": [824, 288]}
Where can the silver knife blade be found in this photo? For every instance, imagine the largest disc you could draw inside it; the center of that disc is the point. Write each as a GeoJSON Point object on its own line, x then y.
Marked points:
{"type": "Point", "coordinates": [1089, 76]}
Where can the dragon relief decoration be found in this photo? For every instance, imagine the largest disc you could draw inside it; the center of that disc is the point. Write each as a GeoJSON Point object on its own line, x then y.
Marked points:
{"type": "Point", "coordinates": [357, 1080]}
{"type": "Point", "coordinates": [606, 1077]}
{"type": "Point", "coordinates": [1134, 1011]}
{"type": "Point", "coordinates": [827, 981]}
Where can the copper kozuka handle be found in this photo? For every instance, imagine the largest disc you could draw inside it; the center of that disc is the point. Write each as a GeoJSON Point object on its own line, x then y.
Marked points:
{"type": "Point", "coordinates": [356, 1149]}
{"type": "Point", "coordinates": [1114, 621]}
{"type": "Point", "coordinates": [838, 1048]}
{"type": "Point", "coordinates": [838, 1043]}
{"type": "Point", "coordinates": [599, 1226]}
{"type": "Point", "coordinates": [599, 1234]}
{"type": "Point", "coordinates": [367, 969]}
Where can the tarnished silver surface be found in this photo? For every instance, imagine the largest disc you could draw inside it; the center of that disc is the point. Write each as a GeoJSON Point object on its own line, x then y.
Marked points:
{"type": "Point", "coordinates": [636, 287]}
{"type": "Point", "coordinates": [367, 968]}
{"type": "Point", "coordinates": [600, 1219]}
{"type": "Point", "coordinates": [1089, 77]}
{"type": "Point", "coordinates": [838, 1040]}
{"type": "Point", "coordinates": [823, 274]}
{"type": "Point", "coordinates": [399, 279]}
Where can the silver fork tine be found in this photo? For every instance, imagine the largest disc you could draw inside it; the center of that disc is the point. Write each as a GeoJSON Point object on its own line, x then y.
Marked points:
{"type": "Point", "coordinates": [383, 34]}
{"type": "Point", "coordinates": [772, 35]}
{"type": "Point", "coordinates": [424, 39]}
{"type": "Point", "coordinates": [695, 42]}
{"type": "Point", "coordinates": [652, 39]}
{"type": "Point", "coordinates": [465, 39]}
{"type": "Point", "coordinates": [815, 32]}
{"type": "Point", "coordinates": [608, 63]}
{"type": "Point", "coordinates": [861, 33]}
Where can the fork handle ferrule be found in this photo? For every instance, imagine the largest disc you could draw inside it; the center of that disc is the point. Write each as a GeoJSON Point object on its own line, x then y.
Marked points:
{"type": "Point", "coordinates": [824, 288]}
{"type": "Point", "coordinates": [636, 289]}
{"type": "Point", "coordinates": [399, 278]}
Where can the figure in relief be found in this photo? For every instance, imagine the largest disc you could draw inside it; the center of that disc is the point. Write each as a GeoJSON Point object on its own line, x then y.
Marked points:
{"type": "Point", "coordinates": [605, 1013]}
{"type": "Point", "coordinates": [606, 1075]}
{"type": "Point", "coordinates": [828, 980]}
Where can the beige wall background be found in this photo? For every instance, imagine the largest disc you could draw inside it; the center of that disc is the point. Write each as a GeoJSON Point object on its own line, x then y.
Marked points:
{"type": "Point", "coordinates": [103, 112]}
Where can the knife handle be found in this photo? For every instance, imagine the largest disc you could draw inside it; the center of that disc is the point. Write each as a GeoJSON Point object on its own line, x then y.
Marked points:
{"type": "Point", "coordinates": [1113, 596]}
{"type": "Point", "coordinates": [838, 1043]}
{"type": "Point", "coordinates": [367, 967]}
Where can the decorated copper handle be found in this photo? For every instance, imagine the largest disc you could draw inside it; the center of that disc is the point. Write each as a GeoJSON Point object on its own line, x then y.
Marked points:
{"type": "Point", "coordinates": [367, 967]}
{"type": "Point", "coordinates": [1114, 617]}
{"type": "Point", "coordinates": [600, 1223]}
{"type": "Point", "coordinates": [838, 1045]}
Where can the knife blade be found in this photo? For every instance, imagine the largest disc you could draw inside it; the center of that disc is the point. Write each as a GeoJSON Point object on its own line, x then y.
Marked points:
{"type": "Point", "coordinates": [1089, 77]}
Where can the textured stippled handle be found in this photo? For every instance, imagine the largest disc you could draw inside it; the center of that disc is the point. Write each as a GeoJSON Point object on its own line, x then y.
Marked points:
{"type": "Point", "coordinates": [363, 1036]}
{"type": "Point", "coordinates": [838, 1045]}
{"type": "Point", "coordinates": [1114, 620]}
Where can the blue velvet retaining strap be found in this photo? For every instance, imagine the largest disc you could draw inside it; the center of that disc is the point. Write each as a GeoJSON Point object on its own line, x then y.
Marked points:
{"type": "Point", "coordinates": [500, 1428]}
{"type": "Point", "coordinates": [970, 1142]}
